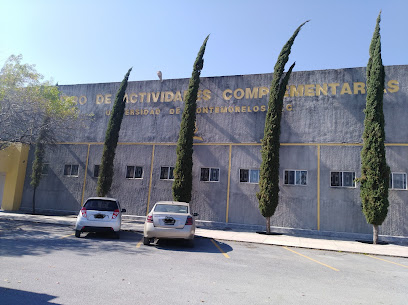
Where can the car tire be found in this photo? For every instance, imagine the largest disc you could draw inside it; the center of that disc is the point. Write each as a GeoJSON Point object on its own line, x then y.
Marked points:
{"type": "Point", "coordinates": [146, 241]}
{"type": "Point", "coordinates": [78, 233]}
{"type": "Point", "coordinates": [117, 235]}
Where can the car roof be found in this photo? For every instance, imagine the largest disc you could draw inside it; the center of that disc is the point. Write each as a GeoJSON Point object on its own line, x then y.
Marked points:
{"type": "Point", "coordinates": [102, 198]}
{"type": "Point", "coordinates": [173, 203]}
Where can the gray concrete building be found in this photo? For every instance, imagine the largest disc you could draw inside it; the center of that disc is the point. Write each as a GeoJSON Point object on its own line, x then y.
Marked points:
{"type": "Point", "coordinates": [321, 140]}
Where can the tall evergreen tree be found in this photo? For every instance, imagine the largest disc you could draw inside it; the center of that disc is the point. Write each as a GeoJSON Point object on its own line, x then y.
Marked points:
{"type": "Point", "coordinates": [268, 194]}
{"type": "Point", "coordinates": [39, 155]}
{"type": "Point", "coordinates": [183, 178]}
{"type": "Point", "coordinates": [375, 173]}
{"type": "Point", "coordinates": [111, 140]}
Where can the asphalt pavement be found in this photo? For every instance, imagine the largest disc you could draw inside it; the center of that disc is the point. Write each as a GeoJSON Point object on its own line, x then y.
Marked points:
{"type": "Point", "coordinates": [340, 244]}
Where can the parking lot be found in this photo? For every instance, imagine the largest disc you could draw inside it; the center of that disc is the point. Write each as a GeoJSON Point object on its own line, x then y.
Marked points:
{"type": "Point", "coordinates": [46, 264]}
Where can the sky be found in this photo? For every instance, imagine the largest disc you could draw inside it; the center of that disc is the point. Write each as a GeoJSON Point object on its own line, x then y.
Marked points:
{"type": "Point", "coordinates": [97, 41]}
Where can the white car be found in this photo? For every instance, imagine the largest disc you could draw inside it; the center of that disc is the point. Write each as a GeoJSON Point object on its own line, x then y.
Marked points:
{"type": "Point", "coordinates": [99, 214]}
{"type": "Point", "coordinates": [170, 219]}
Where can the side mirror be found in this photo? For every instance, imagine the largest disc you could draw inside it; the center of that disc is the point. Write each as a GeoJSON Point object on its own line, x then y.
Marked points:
{"type": "Point", "coordinates": [123, 210]}
{"type": "Point", "coordinates": [195, 214]}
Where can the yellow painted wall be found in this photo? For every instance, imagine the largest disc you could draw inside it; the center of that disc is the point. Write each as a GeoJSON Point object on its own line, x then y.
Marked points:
{"type": "Point", "coordinates": [13, 161]}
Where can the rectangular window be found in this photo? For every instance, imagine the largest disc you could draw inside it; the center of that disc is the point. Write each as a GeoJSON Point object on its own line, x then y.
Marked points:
{"type": "Point", "coordinates": [96, 171]}
{"type": "Point", "coordinates": [295, 177]}
{"type": "Point", "coordinates": [45, 168]}
{"type": "Point", "coordinates": [210, 174]}
{"type": "Point", "coordinates": [71, 170]}
{"type": "Point", "coordinates": [134, 172]}
{"type": "Point", "coordinates": [398, 181]}
{"type": "Point", "coordinates": [75, 170]}
{"type": "Point", "coordinates": [342, 179]}
{"type": "Point", "coordinates": [249, 175]}
{"type": "Point", "coordinates": [166, 173]}
{"type": "Point", "coordinates": [205, 174]}
{"type": "Point", "coordinates": [67, 170]}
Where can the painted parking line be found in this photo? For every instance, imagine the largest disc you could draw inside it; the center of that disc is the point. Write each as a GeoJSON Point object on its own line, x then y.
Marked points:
{"type": "Point", "coordinates": [72, 234]}
{"type": "Point", "coordinates": [219, 248]}
{"type": "Point", "coordinates": [313, 260]}
{"type": "Point", "coordinates": [381, 259]}
{"type": "Point", "coordinates": [139, 243]}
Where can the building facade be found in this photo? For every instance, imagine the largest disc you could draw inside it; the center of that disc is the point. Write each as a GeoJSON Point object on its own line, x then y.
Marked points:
{"type": "Point", "coordinates": [321, 140]}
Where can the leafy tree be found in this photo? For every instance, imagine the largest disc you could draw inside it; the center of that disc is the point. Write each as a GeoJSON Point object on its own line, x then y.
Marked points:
{"type": "Point", "coordinates": [268, 194]}
{"type": "Point", "coordinates": [25, 100]}
{"type": "Point", "coordinates": [375, 173]}
{"type": "Point", "coordinates": [32, 111]}
{"type": "Point", "coordinates": [111, 140]}
{"type": "Point", "coordinates": [183, 179]}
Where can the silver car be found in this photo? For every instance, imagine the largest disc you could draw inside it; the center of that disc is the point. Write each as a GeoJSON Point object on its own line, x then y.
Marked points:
{"type": "Point", "coordinates": [99, 214]}
{"type": "Point", "coordinates": [170, 219]}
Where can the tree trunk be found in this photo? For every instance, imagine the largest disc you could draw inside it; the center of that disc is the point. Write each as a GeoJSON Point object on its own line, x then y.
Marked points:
{"type": "Point", "coordinates": [34, 200]}
{"type": "Point", "coordinates": [375, 234]}
{"type": "Point", "coordinates": [268, 225]}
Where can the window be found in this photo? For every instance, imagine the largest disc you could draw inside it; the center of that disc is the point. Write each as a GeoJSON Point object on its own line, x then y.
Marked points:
{"type": "Point", "coordinates": [45, 168]}
{"type": "Point", "coordinates": [134, 172]}
{"type": "Point", "coordinates": [210, 174]}
{"type": "Point", "coordinates": [166, 173]}
{"type": "Point", "coordinates": [101, 205]}
{"type": "Point", "coordinates": [71, 170]}
{"type": "Point", "coordinates": [96, 171]}
{"type": "Point", "coordinates": [398, 181]}
{"type": "Point", "coordinates": [171, 208]}
{"type": "Point", "coordinates": [249, 175]}
{"type": "Point", "coordinates": [295, 177]}
{"type": "Point", "coordinates": [342, 179]}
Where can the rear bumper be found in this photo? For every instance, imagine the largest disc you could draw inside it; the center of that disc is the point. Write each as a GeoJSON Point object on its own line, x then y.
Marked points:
{"type": "Point", "coordinates": [151, 231]}
{"type": "Point", "coordinates": [97, 229]}
{"type": "Point", "coordinates": [85, 225]}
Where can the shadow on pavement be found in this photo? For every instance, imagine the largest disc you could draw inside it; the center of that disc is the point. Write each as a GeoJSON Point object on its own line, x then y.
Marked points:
{"type": "Point", "coordinates": [201, 244]}
{"type": "Point", "coordinates": [10, 296]}
{"type": "Point", "coordinates": [18, 239]}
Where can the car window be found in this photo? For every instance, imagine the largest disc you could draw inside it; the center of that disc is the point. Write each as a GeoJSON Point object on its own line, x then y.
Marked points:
{"type": "Point", "coordinates": [101, 205]}
{"type": "Point", "coordinates": [171, 208]}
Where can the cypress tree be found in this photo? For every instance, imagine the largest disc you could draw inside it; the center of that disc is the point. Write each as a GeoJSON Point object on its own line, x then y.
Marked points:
{"type": "Point", "coordinates": [268, 194]}
{"type": "Point", "coordinates": [375, 173]}
{"type": "Point", "coordinates": [111, 140]}
{"type": "Point", "coordinates": [183, 177]}
{"type": "Point", "coordinates": [38, 163]}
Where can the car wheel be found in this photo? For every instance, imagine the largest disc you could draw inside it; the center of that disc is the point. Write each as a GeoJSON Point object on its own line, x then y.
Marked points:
{"type": "Point", "coordinates": [146, 241]}
{"type": "Point", "coordinates": [77, 233]}
{"type": "Point", "coordinates": [117, 235]}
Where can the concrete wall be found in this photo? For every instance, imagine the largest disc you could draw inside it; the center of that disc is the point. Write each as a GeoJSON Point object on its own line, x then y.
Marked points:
{"type": "Point", "coordinates": [56, 191]}
{"type": "Point", "coordinates": [396, 222]}
{"type": "Point", "coordinates": [322, 129]}
{"type": "Point", "coordinates": [341, 203]}
{"type": "Point", "coordinates": [210, 198]}
{"type": "Point", "coordinates": [334, 115]}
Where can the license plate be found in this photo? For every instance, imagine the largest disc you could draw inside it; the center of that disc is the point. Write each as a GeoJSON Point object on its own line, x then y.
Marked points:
{"type": "Point", "coordinates": [99, 216]}
{"type": "Point", "coordinates": [169, 221]}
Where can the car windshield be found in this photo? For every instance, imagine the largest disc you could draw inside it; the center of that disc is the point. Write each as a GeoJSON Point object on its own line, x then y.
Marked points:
{"type": "Point", "coordinates": [101, 205]}
{"type": "Point", "coordinates": [170, 208]}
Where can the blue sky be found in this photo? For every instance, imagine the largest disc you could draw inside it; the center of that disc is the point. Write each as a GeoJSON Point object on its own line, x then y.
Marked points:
{"type": "Point", "coordinates": [97, 41]}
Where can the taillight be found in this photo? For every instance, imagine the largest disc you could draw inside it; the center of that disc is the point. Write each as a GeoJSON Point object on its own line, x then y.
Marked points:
{"type": "Point", "coordinates": [115, 214]}
{"type": "Point", "coordinates": [189, 221]}
{"type": "Point", "coordinates": [149, 218]}
{"type": "Point", "coordinates": [83, 212]}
